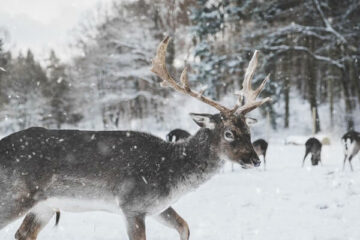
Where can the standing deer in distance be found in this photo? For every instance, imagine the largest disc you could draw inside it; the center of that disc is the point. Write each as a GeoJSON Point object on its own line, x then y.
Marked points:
{"type": "Point", "coordinates": [177, 135]}
{"type": "Point", "coordinates": [351, 141]}
{"type": "Point", "coordinates": [127, 172]}
{"type": "Point", "coordinates": [313, 146]}
{"type": "Point", "coordinates": [260, 146]}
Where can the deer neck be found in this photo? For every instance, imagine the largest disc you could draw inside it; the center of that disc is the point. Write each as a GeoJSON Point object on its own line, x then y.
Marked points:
{"type": "Point", "coordinates": [198, 158]}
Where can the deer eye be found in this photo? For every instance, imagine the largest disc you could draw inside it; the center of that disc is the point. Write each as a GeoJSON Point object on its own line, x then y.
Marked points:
{"type": "Point", "coordinates": [229, 136]}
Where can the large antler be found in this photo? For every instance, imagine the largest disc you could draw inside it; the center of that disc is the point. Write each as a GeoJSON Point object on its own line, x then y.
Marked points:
{"type": "Point", "coordinates": [247, 96]}
{"type": "Point", "coordinates": [159, 68]}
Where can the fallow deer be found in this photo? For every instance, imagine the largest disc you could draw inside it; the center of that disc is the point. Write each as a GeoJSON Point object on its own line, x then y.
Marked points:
{"type": "Point", "coordinates": [313, 146]}
{"type": "Point", "coordinates": [351, 142]}
{"type": "Point", "coordinates": [173, 136]}
{"type": "Point", "coordinates": [177, 135]}
{"type": "Point", "coordinates": [128, 172]}
{"type": "Point", "coordinates": [260, 147]}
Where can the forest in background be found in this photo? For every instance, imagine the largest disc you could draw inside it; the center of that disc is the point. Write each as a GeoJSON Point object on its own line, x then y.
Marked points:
{"type": "Point", "coordinates": [311, 48]}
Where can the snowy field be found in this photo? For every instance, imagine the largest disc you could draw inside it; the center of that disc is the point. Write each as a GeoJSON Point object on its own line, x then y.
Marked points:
{"type": "Point", "coordinates": [285, 202]}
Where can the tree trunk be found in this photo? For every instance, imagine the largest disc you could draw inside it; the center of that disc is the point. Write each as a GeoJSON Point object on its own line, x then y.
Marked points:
{"type": "Point", "coordinates": [345, 80]}
{"type": "Point", "coordinates": [312, 87]}
{"type": "Point", "coordinates": [287, 61]}
{"type": "Point", "coordinates": [355, 77]}
{"type": "Point", "coordinates": [287, 101]}
{"type": "Point", "coordinates": [331, 100]}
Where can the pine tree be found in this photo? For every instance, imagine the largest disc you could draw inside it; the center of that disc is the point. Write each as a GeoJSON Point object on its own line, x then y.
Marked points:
{"type": "Point", "coordinates": [5, 59]}
{"type": "Point", "coordinates": [22, 85]}
{"type": "Point", "coordinates": [57, 90]}
{"type": "Point", "coordinates": [208, 21]}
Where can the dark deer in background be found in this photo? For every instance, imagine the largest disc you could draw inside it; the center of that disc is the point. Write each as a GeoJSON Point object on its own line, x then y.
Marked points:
{"type": "Point", "coordinates": [177, 134]}
{"type": "Point", "coordinates": [260, 147]}
{"type": "Point", "coordinates": [313, 146]}
{"type": "Point", "coordinates": [126, 172]}
{"type": "Point", "coordinates": [351, 141]}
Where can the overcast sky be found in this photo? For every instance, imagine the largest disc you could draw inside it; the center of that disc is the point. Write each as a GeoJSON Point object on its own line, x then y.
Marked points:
{"type": "Point", "coordinates": [43, 24]}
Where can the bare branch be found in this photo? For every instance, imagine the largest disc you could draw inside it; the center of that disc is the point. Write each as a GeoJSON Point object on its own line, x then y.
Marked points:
{"type": "Point", "coordinates": [327, 24]}
{"type": "Point", "coordinates": [284, 48]}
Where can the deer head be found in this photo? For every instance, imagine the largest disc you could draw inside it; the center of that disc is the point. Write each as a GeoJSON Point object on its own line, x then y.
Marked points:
{"type": "Point", "coordinates": [229, 127]}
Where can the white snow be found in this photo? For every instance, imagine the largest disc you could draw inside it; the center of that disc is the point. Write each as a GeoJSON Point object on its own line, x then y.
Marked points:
{"type": "Point", "coordinates": [284, 202]}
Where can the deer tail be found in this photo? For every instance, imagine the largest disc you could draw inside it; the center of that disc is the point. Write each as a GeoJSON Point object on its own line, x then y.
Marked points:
{"type": "Point", "coordinates": [57, 219]}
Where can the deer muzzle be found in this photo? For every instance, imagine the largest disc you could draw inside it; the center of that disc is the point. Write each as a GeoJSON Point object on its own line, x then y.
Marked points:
{"type": "Point", "coordinates": [251, 160]}
{"type": "Point", "coordinates": [256, 161]}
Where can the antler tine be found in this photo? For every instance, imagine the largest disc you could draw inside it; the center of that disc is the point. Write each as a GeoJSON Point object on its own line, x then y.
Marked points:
{"type": "Point", "coordinates": [262, 85]}
{"type": "Point", "coordinates": [159, 68]}
{"type": "Point", "coordinates": [247, 93]}
{"type": "Point", "coordinates": [250, 70]}
{"type": "Point", "coordinates": [158, 63]}
{"type": "Point", "coordinates": [184, 79]}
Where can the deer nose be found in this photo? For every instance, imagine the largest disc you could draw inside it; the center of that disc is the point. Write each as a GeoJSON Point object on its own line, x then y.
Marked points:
{"type": "Point", "coordinates": [256, 161]}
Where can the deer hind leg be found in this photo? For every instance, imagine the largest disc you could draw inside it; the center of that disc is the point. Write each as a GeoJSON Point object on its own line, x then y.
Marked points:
{"type": "Point", "coordinates": [351, 166]}
{"type": "Point", "coordinates": [34, 221]}
{"type": "Point", "coordinates": [12, 206]}
{"type": "Point", "coordinates": [306, 153]}
{"type": "Point", "coordinates": [171, 219]}
{"type": "Point", "coordinates": [136, 227]}
{"type": "Point", "coordinates": [10, 212]}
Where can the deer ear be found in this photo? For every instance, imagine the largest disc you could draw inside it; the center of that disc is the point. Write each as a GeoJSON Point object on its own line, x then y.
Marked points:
{"type": "Point", "coordinates": [250, 121]}
{"type": "Point", "coordinates": [203, 120]}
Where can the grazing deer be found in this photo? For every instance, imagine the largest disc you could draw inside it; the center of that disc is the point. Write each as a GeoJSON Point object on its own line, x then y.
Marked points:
{"type": "Point", "coordinates": [177, 134]}
{"type": "Point", "coordinates": [313, 146]}
{"type": "Point", "coordinates": [128, 172]}
{"type": "Point", "coordinates": [260, 147]}
{"type": "Point", "coordinates": [351, 142]}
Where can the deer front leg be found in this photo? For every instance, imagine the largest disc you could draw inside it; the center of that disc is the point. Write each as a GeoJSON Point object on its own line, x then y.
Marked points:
{"type": "Point", "coordinates": [136, 227]}
{"type": "Point", "coordinates": [264, 156]}
{"type": "Point", "coordinates": [171, 219]}
{"type": "Point", "coordinates": [303, 162]}
{"type": "Point", "coordinates": [33, 222]}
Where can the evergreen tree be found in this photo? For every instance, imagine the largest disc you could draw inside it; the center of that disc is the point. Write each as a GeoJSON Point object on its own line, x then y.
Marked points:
{"type": "Point", "coordinates": [25, 103]}
{"type": "Point", "coordinates": [208, 22]}
{"type": "Point", "coordinates": [5, 59]}
{"type": "Point", "coordinates": [57, 90]}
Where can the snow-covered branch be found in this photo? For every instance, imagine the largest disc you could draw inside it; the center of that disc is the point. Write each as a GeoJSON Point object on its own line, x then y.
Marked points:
{"type": "Point", "coordinates": [283, 48]}
{"type": "Point", "coordinates": [317, 32]}
{"type": "Point", "coordinates": [327, 23]}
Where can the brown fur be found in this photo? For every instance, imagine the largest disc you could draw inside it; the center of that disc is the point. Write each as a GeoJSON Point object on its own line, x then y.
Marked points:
{"type": "Point", "coordinates": [172, 219]}
{"type": "Point", "coordinates": [29, 228]}
{"type": "Point", "coordinates": [136, 227]}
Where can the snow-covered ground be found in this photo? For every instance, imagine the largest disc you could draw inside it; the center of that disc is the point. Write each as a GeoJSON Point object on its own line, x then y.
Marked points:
{"type": "Point", "coordinates": [285, 202]}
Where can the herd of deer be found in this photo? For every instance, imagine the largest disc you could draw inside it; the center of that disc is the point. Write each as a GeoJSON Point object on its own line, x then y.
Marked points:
{"type": "Point", "coordinates": [133, 173]}
{"type": "Point", "coordinates": [351, 141]}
